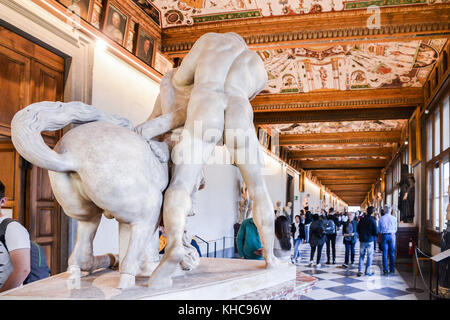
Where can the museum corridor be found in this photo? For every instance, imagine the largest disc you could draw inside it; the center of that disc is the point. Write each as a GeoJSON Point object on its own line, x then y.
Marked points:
{"type": "Point", "coordinates": [132, 130]}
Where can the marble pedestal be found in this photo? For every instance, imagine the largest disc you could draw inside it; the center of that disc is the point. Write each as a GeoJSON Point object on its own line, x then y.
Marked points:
{"type": "Point", "coordinates": [213, 279]}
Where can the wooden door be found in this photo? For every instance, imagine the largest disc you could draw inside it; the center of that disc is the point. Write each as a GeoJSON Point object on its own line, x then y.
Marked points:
{"type": "Point", "coordinates": [28, 74]}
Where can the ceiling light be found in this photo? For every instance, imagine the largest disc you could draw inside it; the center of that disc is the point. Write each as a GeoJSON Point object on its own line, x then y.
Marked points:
{"type": "Point", "coordinates": [426, 111]}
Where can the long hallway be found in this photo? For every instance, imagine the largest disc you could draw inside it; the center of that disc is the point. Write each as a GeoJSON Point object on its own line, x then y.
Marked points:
{"type": "Point", "coordinates": [337, 283]}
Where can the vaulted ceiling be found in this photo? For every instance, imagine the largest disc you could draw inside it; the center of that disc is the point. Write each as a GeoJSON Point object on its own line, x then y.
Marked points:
{"type": "Point", "coordinates": [340, 89]}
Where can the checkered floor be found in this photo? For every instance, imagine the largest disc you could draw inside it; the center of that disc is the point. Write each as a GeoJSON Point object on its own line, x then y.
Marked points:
{"type": "Point", "coordinates": [336, 283]}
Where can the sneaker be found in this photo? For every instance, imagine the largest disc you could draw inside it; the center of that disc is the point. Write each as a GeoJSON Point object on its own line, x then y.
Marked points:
{"type": "Point", "coordinates": [311, 263]}
{"type": "Point", "coordinates": [318, 265]}
{"type": "Point", "coordinates": [359, 274]}
{"type": "Point", "coordinates": [344, 266]}
{"type": "Point", "coordinates": [385, 273]}
{"type": "Point", "coordinates": [369, 274]}
{"type": "Point", "coordinates": [328, 262]}
{"type": "Point", "coordinates": [334, 261]}
{"type": "Point", "coordinates": [392, 272]}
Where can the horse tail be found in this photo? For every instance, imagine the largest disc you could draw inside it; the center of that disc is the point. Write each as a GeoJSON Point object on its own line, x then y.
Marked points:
{"type": "Point", "coordinates": [28, 123]}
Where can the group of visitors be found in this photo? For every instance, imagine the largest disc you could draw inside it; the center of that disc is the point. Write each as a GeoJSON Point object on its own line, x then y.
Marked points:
{"type": "Point", "coordinates": [321, 230]}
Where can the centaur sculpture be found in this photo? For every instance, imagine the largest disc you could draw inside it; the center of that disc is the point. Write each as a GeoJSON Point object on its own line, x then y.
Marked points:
{"type": "Point", "coordinates": [103, 166]}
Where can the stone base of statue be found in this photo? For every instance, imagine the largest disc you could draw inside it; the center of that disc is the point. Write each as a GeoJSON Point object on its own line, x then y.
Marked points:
{"type": "Point", "coordinates": [213, 279]}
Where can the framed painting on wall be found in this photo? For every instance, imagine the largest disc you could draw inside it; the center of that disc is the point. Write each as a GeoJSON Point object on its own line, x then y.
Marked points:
{"type": "Point", "coordinates": [81, 8]}
{"type": "Point", "coordinates": [115, 24]}
{"type": "Point", "coordinates": [415, 155]}
{"type": "Point", "coordinates": [96, 15]}
{"type": "Point", "coordinates": [151, 11]}
{"type": "Point", "coordinates": [145, 46]}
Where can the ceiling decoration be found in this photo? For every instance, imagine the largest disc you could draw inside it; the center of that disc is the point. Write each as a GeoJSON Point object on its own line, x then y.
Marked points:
{"type": "Point", "coordinates": [350, 67]}
{"type": "Point", "coordinates": [301, 147]}
{"type": "Point", "coordinates": [340, 126]}
{"type": "Point", "coordinates": [189, 12]}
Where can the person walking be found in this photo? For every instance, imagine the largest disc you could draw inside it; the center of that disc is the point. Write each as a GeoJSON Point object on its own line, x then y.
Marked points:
{"type": "Point", "coordinates": [316, 239]}
{"type": "Point", "coordinates": [388, 229]}
{"type": "Point", "coordinates": [282, 242]}
{"type": "Point", "coordinates": [248, 241]}
{"type": "Point", "coordinates": [308, 221]}
{"type": "Point", "coordinates": [331, 223]}
{"type": "Point", "coordinates": [350, 234]}
{"type": "Point", "coordinates": [298, 234]}
{"type": "Point", "coordinates": [367, 231]}
{"type": "Point", "coordinates": [14, 250]}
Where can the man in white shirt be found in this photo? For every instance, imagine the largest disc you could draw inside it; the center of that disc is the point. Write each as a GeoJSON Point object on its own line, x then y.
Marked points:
{"type": "Point", "coordinates": [388, 228]}
{"type": "Point", "coordinates": [14, 251]}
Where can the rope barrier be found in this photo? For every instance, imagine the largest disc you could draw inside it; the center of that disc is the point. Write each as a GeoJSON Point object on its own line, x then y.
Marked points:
{"type": "Point", "coordinates": [420, 272]}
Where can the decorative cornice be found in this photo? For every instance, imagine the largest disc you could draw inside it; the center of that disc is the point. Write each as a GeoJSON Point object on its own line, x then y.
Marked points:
{"type": "Point", "coordinates": [403, 22]}
{"type": "Point", "coordinates": [348, 104]}
{"type": "Point", "coordinates": [358, 34]}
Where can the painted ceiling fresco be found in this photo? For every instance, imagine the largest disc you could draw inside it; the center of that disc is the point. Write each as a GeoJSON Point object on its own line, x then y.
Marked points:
{"type": "Point", "coordinates": [340, 126]}
{"type": "Point", "coordinates": [309, 147]}
{"type": "Point", "coordinates": [189, 12]}
{"type": "Point", "coordinates": [350, 67]}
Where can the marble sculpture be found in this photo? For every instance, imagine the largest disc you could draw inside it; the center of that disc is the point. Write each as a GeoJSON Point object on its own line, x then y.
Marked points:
{"type": "Point", "coordinates": [103, 166]}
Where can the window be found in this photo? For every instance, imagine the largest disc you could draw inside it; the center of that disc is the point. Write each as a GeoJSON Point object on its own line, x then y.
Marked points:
{"type": "Point", "coordinates": [430, 197]}
{"type": "Point", "coordinates": [437, 132]}
{"type": "Point", "coordinates": [430, 138]}
{"type": "Point", "coordinates": [445, 196]}
{"type": "Point", "coordinates": [445, 124]}
{"type": "Point", "coordinates": [436, 197]}
{"type": "Point", "coordinates": [438, 171]}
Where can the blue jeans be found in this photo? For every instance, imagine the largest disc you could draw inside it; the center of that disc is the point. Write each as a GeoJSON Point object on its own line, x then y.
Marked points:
{"type": "Point", "coordinates": [307, 232]}
{"type": "Point", "coordinates": [388, 248]}
{"type": "Point", "coordinates": [365, 247]}
{"type": "Point", "coordinates": [349, 251]}
{"type": "Point", "coordinates": [297, 243]}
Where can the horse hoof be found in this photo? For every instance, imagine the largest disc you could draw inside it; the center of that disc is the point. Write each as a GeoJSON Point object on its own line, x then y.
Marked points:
{"type": "Point", "coordinates": [273, 263]}
{"type": "Point", "coordinates": [155, 283]}
{"type": "Point", "coordinates": [75, 272]}
{"type": "Point", "coordinates": [126, 281]}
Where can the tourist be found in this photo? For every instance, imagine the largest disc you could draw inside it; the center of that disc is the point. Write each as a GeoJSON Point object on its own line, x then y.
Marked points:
{"type": "Point", "coordinates": [330, 225]}
{"type": "Point", "coordinates": [376, 217]}
{"type": "Point", "coordinates": [316, 239]}
{"type": "Point", "coordinates": [308, 221]}
{"type": "Point", "coordinates": [350, 234]}
{"type": "Point", "coordinates": [367, 231]}
{"type": "Point", "coordinates": [388, 229]}
{"type": "Point", "coordinates": [298, 234]}
{"type": "Point", "coordinates": [14, 250]}
{"type": "Point", "coordinates": [282, 244]}
{"type": "Point", "coordinates": [248, 241]}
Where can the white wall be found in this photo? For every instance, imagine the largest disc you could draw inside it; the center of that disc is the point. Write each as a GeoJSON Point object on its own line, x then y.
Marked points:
{"type": "Point", "coordinates": [120, 89]}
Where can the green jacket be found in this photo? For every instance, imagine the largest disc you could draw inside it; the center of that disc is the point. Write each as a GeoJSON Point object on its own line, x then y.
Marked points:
{"type": "Point", "coordinates": [248, 240]}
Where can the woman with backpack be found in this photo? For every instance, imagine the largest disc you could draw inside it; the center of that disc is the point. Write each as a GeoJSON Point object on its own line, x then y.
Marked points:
{"type": "Point", "coordinates": [282, 242]}
{"type": "Point", "coordinates": [350, 237]}
{"type": "Point", "coordinates": [316, 239]}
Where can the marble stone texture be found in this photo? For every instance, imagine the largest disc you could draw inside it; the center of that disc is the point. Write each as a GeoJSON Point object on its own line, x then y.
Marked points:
{"type": "Point", "coordinates": [213, 279]}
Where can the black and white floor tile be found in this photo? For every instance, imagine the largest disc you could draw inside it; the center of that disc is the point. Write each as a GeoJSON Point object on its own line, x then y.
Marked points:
{"type": "Point", "coordinates": [336, 283]}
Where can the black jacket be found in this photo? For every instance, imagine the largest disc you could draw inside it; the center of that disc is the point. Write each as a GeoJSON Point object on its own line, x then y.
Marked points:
{"type": "Point", "coordinates": [317, 233]}
{"type": "Point", "coordinates": [355, 230]}
{"type": "Point", "coordinates": [367, 229]}
{"type": "Point", "coordinates": [308, 217]}
{"type": "Point", "coordinates": [301, 231]}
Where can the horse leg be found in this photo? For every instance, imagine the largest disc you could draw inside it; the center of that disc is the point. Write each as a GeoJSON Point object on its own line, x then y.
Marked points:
{"type": "Point", "coordinates": [140, 232]}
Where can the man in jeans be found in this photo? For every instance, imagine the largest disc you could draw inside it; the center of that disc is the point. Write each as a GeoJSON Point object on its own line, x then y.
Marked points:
{"type": "Point", "coordinates": [367, 230]}
{"type": "Point", "coordinates": [388, 228]}
{"type": "Point", "coordinates": [331, 224]}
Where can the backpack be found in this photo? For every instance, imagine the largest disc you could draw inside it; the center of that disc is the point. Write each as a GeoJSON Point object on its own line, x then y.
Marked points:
{"type": "Point", "coordinates": [38, 261]}
{"type": "Point", "coordinates": [330, 227]}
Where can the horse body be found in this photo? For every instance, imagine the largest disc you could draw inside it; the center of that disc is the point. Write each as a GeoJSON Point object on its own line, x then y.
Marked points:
{"type": "Point", "coordinates": [99, 167]}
